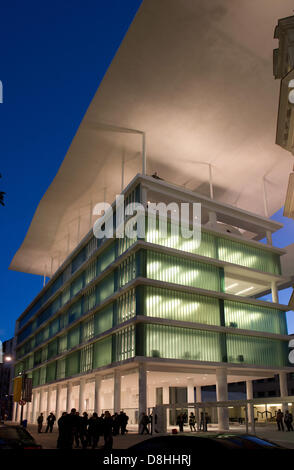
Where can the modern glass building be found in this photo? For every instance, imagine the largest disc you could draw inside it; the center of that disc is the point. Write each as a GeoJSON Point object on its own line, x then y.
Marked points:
{"type": "Point", "coordinates": [125, 323]}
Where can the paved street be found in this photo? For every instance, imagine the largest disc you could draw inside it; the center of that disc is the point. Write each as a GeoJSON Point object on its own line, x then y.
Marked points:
{"type": "Point", "coordinates": [48, 440]}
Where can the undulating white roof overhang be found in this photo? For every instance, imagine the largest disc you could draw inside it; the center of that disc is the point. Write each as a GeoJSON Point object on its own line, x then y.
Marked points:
{"type": "Point", "coordinates": [196, 77]}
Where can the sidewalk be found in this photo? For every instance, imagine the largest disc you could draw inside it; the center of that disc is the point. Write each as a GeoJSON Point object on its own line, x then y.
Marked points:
{"type": "Point", "coordinates": [48, 440]}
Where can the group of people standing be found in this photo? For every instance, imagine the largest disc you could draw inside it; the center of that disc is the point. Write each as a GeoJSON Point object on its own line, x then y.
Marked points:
{"type": "Point", "coordinates": [84, 431]}
{"type": "Point", "coordinates": [183, 418]}
{"type": "Point", "coordinates": [287, 419]}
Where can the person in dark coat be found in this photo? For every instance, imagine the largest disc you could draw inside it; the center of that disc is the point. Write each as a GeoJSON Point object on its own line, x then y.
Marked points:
{"type": "Point", "coordinates": [63, 441]}
{"type": "Point", "coordinates": [94, 430]}
{"type": "Point", "coordinates": [288, 418]}
{"type": "Point", "coordinates": [50, 422]}
{"type": "Point", "coordinates": [40, 422]}
{"type": "Point", "coordinates": [144, 423]}
{"type": "Point", "coordinates": [84, 430]}
{"type": "Point", "coordinates": [180, 422]}
{"type": "Point", "coordinates": [279, 419]}
{"type": "Point", "coordinates": [116, 424]}
{"type": "Point", "coordinates": [108, 425]}
{"type": "Point", "coordinates": [123, 422]}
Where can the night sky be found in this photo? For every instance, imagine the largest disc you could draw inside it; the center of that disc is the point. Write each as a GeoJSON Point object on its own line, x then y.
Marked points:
{"type": "Point", "coordinates": [53, 58]}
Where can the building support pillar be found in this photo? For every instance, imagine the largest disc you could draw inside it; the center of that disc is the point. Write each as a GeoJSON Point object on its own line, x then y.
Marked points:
{"type": "Point", "coordinates": [34, 399]}
{"type": "Point", "coordinates": [97, 407]}
{"type": "Point", "coordinates": [250, 408]}
{"type": "Point", "coordinates": [68, 396]}
{"type": "Point", "coordinates": [41, 399]}
{"type": "Point", "coordinates": [142, 390]}
{"type": "Point", "coordinates": [222, 395]}
{"type": "Point", "coordinates": [275, 294]}
{"type": "Point", "coordinates": [190, 391]}
{"type": "Point", "coordinates": [269, 239]}
{"type": "Point", "coordinates": [283, 388]}
{"type": "Point", "coordinates": [117, 391]}
{"type": "Point", "coordinates": [82, 396]}
{"type": "Point", "coordinates": [58, 400]}
{"type": "Point", "coordinates": [198, 400]}
{"type": "Point", "coordinates": [212, 219]}
{"type": "Point", "coordinates": [48, 401]}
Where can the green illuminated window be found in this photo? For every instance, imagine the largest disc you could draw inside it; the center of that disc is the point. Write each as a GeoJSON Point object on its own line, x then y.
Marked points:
{"type": "Point", "coordinates": [86, 358]}
{"type": "Point", "coordinates": [182, 343]}
{"type": "Point", "coordinates": [103, 320]}
{"type": "Point", "coordinates": [125, 343]}
{"type": "Point", "coordinates": [126, 306]}
{"type": "Point", "coordinates": [60, 371]}
{"type": "Point", "coordinates": [255, 350]}
{"type": "Point", "coordinates": [127, 270]}
{"type": "Point", "coordinates": [182, 271]}
{"type": "Point", "coordinates": [102, 352]}
{"type": "Point", "coordinates": [165, 303]}
{"type": "Point", "coordinates": [215, 246]}
{"type": "Point", "coordinates": [254, 317]}
{"type": "Point", "coordinates": [51, 372]}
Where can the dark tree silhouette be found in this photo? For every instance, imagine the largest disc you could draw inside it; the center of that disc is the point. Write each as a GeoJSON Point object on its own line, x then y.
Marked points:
{"type": "Point", "coordinates": [2, 195]}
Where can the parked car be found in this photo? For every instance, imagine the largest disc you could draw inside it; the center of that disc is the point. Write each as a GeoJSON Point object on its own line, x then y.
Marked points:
{"type": "Point", "coordinates": [187, 443]}
{"type": "Point", "coordinates": [16, 437]}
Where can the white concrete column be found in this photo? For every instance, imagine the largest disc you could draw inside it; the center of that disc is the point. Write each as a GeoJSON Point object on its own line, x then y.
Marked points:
{"type": "Point", "coordinates": [198, 400]}
{"type": "Point", "coordinates": [48, 401]}
{"type": "Point", "coordinates": [222, 395]}
{"type": "Point", "coordinates": [97, 406]}
{"type": "Point", "coordinates": [198, 395]}
{"type": "Point", "coordinates": [275, 294]}
{"type": "Point", "coordinates": [117, 391]}
{"type": "Point", "coordinates": [283, 389]}
{"type": "Point", "coordinates": [34, 400]}
{"type": "Point", "coordinates": [58, 401]}
{"type": "Point", "coordinates": [41, 399]}
{"type": "Point", "coordinates": [190, 391]}
{"type": "Point", "coordinates": [82, 396]}
{"type": "Point", "coordinates": [142, 390]}
{"type": "Point", "coordinates": [68, 397]}
{"type": "Point", "coordinates": [165, 395]}
{"type": "Point", "coordinates": [269, 239]}
{"type": "Point", "coordinates": [249, 396]}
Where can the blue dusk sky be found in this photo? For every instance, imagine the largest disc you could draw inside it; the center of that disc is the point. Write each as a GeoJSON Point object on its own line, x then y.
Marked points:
{"type": "Point", "coordinates": [53, 58]}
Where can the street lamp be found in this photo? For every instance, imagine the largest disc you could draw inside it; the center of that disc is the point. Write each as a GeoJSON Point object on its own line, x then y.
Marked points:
{"type": "Point", "coordinates": [7, 358]}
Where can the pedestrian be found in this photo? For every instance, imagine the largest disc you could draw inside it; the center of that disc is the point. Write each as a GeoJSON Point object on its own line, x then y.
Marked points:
{"type": "Point", "coordinates": [180, 422]}
{"type": "Point", "coordinates": [123, 422]}
{"type": "Point", "coordinates": [77, 430]}
{"type": "Point", "coordinates": [203, 421]}
{"type": "Point", "coordinates": [279, 419]}
{"type": "Point", "coordinates": [108, 425]}
{"type": "Point", "coordinates": [50, 422]}
{"type": "Point", "coordinates": [84, 430]}
{"type": "Point", "coordinates": [116, 424]}
{"type": "Point", "coordinates": [288, 418]}
{"type": "Point", "coordinates": [94, 430]}
{"type": "Point", "coordinates": [192, 422]}
{"type": "Point", "coordinates": [144, 423]}
{"type": "Point", "coordinates": [63, 440]}
{"type": "Point", "coordinates": [72, 426]}
{"type": "Point", "coordinates": [40, 422]}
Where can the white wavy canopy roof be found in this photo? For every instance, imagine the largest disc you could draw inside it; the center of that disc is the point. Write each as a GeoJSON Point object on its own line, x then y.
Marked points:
{"type": "Point", "coordinates": [196, 76]}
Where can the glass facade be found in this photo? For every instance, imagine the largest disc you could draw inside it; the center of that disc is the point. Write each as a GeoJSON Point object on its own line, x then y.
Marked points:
{"type": "Point", "coordinates": [75, 325]}
{"type": "Point", "coordinates": [167, 268]}
{"type": "Point", "coordinates": [218, 247]}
